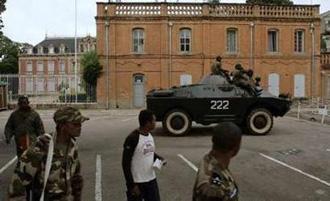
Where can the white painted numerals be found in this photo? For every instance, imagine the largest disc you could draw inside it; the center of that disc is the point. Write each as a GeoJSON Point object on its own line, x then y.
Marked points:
{"type": "Point", "coordinates": [219, 104]}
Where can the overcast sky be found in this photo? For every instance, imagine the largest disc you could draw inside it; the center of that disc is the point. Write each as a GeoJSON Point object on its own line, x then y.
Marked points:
{"type": "Point", "coordinates": [30, 20]}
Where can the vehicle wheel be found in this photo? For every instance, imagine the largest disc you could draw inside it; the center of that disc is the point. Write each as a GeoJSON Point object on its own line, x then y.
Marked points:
{"type": "Point", "coordinates": [177, 122]}
{"type": "Point", "coordinates": [259, 121]}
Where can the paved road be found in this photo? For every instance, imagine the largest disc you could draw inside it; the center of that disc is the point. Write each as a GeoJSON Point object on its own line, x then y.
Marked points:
{"type": "Point", "coordinates": [292, 163]}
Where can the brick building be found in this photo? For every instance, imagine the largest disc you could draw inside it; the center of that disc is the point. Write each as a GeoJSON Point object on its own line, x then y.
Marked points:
{"type": "Point", "coordinates": [158, 45]}
{"type": "Point", "coordinates": [48, 66]}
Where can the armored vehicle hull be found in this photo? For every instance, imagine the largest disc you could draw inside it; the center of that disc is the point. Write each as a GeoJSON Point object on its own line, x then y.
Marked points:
{"type": "Point", "coordinates": [213, 102]}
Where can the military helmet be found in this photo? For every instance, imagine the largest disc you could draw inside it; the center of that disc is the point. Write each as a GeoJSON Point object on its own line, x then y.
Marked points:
{"type": "Point", "coordinates": [69, 114]}
{"type": "Point", "coordinates": [218, 58]}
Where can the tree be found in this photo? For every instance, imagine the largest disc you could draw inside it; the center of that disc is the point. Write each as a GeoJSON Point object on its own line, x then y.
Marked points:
{"type": "Point", "coordinates": [2, 9]}
{"type": "Point", "coordinates": [9, 51]}
{"type": "Point", "coordinates": [270, 2]}
{"type": "Point", "coordinates": [91, 71]}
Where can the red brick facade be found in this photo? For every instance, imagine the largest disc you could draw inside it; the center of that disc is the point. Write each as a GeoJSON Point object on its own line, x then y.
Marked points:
{"type": "Point", "coordinates": [163, 61]}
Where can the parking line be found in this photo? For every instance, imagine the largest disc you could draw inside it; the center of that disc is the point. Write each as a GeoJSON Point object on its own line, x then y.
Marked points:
{"type": "Point", "coordinates": [188, 162]}
{"type": "Point", "coordinates": [8, 165]}
{"type": "Point", "coordinates": [295, 169]}
{"type": "Point", "coordinates": [98, 179]}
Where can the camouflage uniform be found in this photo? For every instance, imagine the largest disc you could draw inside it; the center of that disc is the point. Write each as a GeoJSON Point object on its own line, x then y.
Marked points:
{"type": "Point", "coordinates": [216, 68]}
{"type": "Point", "coordinates": [65, 169]}
{"type": "Point", "coordinates": [214, 183]}
{"type": "Point", "coordinates": [25, 126]}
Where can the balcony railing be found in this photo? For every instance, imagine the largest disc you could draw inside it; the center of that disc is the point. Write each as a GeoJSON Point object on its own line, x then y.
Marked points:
{"type": "Point", "coordinates": [212, 10]}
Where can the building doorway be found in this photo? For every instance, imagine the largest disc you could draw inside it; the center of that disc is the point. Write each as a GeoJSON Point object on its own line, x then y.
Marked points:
{"type": "Point", "coordinates": [185, 79]}
{"type": "Point", "coordinates": [138, 91]}
{"type": "Point", "coordinates": [299, 85]}
{"type": "Point", "coordinates": [274, 84]}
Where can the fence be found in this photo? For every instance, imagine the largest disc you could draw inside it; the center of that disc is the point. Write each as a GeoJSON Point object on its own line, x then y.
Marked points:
{"type": "Point", "coordinates": [3, 96]}
{"type": "Point", "coordinates": [314, 109]}
{"type": "Point", "coordinates": [48, 89]}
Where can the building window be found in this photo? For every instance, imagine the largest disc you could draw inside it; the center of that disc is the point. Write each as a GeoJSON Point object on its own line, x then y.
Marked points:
{"type": "Point", "coordinates": [62, 67]}
{"type": "Point", "coordinates": [138, 40]}
{"type": "Point", "coordinates": [40, 68]}
{"type": "Point", "coordinates": [62, 49]}
{"type": "Point", "coordinates": [29, 85]}
{"type": "Point", "coordinates": [327, 25]}
{"type": "Point", "coordinates": [29, 68]}
{"type": "Point", "coordinates": [273, 41]}
{"type": "Point", "coordinates": [299, 38]}
{"type": "Point", "coordinates": [51, 49]}
{"type": "Point", "coordinates": [51, 84]}
{"type": "Point", "coordinates": [40, 85]}
{"type": "Point", "coordinates": [40, 50]}
{"type": "Point", "coordinates": [185, 40]}
{"type": "Point", "coordinates": [81, 48]}
{"type": "Point", "coordinates": [51, 67]}
{"type": "Point", "coordinates": [232, 40]}
{"type": "Point", "coordinates": [30, 50]}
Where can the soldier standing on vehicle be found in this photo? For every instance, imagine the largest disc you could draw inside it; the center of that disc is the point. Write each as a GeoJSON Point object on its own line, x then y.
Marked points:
{"type": "Point", "coordinates": [138, 160]}
{"type": "Point", "coordinates": [65, 181]}
{"type": "Point", "coordinates": [214, 181]}
{"type": "Point", "coordinates": [25, 125]}
{"type": "Point", "coordinates": [217, 69]}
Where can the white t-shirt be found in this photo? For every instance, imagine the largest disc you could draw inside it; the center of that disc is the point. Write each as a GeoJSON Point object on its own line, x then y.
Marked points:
{"type": "Point", "coordinates": [143, 159]}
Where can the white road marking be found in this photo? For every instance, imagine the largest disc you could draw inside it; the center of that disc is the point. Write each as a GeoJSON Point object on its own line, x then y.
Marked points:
{"type": "Point", "coordinates": [98, 179]}
{"type": "Point", "coordinates": [129, 119]}
{"type": "Point", "coordinates": [295, 169]}
{"type": "Point", "coordinates": [8, 165]}
{"type": "Point", "coordinates": [188, 162]}
{"type": "Point", "coordinates": [328, 149]}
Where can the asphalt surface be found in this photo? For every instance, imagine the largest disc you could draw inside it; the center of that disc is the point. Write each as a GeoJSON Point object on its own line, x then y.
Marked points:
{"type": "Point", "coordinates": [291, 163]}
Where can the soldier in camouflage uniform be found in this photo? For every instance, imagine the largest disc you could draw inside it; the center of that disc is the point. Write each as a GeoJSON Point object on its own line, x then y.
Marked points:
{"type": "Point", "coordinates": [64, 181]}
{"type": "Point", "coordinates": [214, 181]}
{"type": "Point", "coordinates": [216, 68]}
{"type": "Point", "coordinates": [25, 125]}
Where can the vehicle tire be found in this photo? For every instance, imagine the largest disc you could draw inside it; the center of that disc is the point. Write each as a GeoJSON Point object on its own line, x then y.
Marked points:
{"type": "Point", "coordinates": [177, 122]}
{"type": "Point", "coordinates": [259, 121]}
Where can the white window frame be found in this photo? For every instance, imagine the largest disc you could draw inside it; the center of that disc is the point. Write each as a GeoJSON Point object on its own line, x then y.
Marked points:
{"type": "Point", "coordinates": [40, 67]}
{"type": "Point", "coordinates": [232, 48]}
{"type": "Point", "coordinates": [62, 67]}
{"type": "Point", "coordinates": [185, 40]}
{"type": "Point", "coordinates": [299, 42]}
{"type": "Point", "coordinates": [138, 40]}
{"type": "Point", "coordinates": [29, 68]}
{"type": "Point", "coordinates": [51, 67]}
{"type": "Point", "coordinates": [274, 47]}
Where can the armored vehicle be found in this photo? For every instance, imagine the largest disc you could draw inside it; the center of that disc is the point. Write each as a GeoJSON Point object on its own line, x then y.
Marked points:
{"type": "Point", "coordinates": [215, 100]}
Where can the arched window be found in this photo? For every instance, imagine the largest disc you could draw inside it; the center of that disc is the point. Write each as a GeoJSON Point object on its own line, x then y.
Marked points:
{"type": "Point", "coordinates": [185, 40]}
{"type": "Point", "coordinates": [232, 40]}
{"type": "Point", "coordinates": [273, 40]}
{"type": "Point", "coordinates": [299, 41]}
{"type": "Point", "coordinates": [138, 40]}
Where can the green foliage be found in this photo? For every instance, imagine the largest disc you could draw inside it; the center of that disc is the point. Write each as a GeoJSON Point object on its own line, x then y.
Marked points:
{"type": "Point", "coordinates": [8, 56]}
{"type": "Point", "coordinates": [2, 9]}
{"type": "Point", "coordinates": [92, 67]}
{"type": "Point", "coordinates": [270, 2]}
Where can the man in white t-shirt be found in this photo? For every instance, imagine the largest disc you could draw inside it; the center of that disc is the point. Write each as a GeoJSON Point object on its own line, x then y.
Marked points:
{"type": "Point", "coordinates": [138, 159]}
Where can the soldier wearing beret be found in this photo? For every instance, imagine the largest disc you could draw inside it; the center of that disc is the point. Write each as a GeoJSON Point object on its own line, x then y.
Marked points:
{"type": "Point", "coordinates": [214, 181]}
{"type": "Point", "coordinates": [65, 181]}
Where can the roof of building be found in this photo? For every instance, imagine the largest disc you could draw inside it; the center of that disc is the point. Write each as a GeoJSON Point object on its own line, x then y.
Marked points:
{"type": "Point", "coordinates": [325, 14]}
{"type": "Point", "coordinates": [57, 42]}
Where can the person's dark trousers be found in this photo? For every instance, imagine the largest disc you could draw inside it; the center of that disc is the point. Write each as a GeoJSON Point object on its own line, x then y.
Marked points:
{"type": "Point", "coordinates": [149, 192]}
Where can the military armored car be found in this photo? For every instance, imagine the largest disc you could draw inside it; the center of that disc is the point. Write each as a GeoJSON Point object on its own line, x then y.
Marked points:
{"type": "Point", "coordinates": [215, 100]}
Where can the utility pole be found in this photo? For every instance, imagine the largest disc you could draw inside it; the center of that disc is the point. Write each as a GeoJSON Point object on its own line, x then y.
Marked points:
{"type": "Point", "coordinates": [75, 53]}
